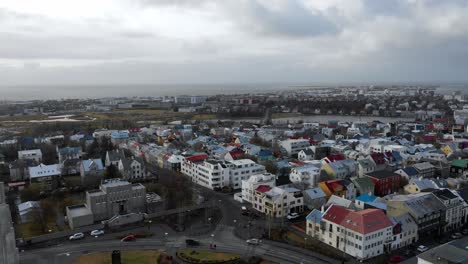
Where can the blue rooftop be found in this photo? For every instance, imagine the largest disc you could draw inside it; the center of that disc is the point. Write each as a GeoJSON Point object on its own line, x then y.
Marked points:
{"type": "Point", "coordinates": [366, 198]}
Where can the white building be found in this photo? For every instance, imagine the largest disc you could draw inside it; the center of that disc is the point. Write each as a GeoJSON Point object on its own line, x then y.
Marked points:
{"type": "Point", "coordinates": [46, 175]}
{"type": "Point", "coordinates": [278, 201]}
{"type": "Point", "coordinates": [250, 185]}
{"type": "Point", "coordinates": [242, 169]}
{"type": "Point", "coordinates": [32, 154]}
{"type": "Point", "coordinates": [293, 146]}
{"type": "Point", "coordinates": [361, 234]}
{"type": "Point", "coordinates": [308, 174]}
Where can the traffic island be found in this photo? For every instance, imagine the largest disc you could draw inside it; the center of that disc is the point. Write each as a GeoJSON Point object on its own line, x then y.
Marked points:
{"type": "Point", "coordinates": [207, 257]}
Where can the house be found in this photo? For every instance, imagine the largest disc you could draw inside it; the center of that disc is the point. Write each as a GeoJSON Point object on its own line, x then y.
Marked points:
{"type": "Point", "coordinates": [278, 201]}
{"type": "Point", "coordinates": [19, 169]}
{"type": "Point", "coordinates": [255, 181]}
{"type": "Point", "coordinates": [132, 169]}
{"type": "Point", "coordinates": [68, 153]}
{"type": "Point", "coordinates": [308, 174]}
{"type": "Point", "coordinates": [306, 154]}
{"type": "Point", "coordinates": [70, 167]}
{"type": "Point", "coordinates": [118, 137]}
{"type": "Point", "coordinates": [426, 210]}
{"type": "Point", "coordinates": [32, 154]}
{"type": "Point", "coordinates": [458, 167]}
{"type": "Point", "coordinates": [405, 231]}
{"type": "Point", "coordinates": [425, 169]}
{"type": "Point", "coordinates": [339, 188]}
{"type": "Point", "coordinates": [91, 172]}
{"type": "Point", "coordinates": [341, 201]}
{"type": "Point", "coordinates": [29, 211]}
{"type": "Point", "coordinates": [364, 166]}
{"type": "Point", "coordinates": [46, 176]}
{"type": "Point", "coordinates": [363, 185]}
{"type": "Point", "coordinates": [386, 182]}
{"type": "Point", "coordinates": [363, 234]}
{"type": "Point", "coordinates": [408, 173]}
{"type": "Point", "coordinates": [379, 160]}
{"type": "Point", "coordinates": [314, 198]}
{"type": "Point", "coordinates": [234, 155]}
{"type": "Point", "coordinates": [340, 169]}
{"type": "Point", "coordinates": [265, 155]}
{"type": "Point", "coordinates": [113, 157]}
{"type": "Point", "coordinates": [419, 185]}
{"type": "Point", "coordinates": [174, 162]}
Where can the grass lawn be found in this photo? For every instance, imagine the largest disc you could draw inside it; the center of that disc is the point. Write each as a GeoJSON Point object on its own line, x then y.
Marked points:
{"type": "Point", "coordinates": [128, 257]}
{"type": "Point", "coordinates": [285, 115]}
{"type": "Point", "coordinates": [32, 229]}
{"type": "Point", "coordinates": [205, 255]}
{"type": "Point", "coordinates": [204, 116]}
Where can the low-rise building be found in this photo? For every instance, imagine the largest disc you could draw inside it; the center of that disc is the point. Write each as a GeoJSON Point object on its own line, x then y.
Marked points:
{"type": "Point", "coordinates": [405, 231]}
{"type": "Point", "coordinates": [340, 169]}
{"type": "Point", "coordinates": [132, 169]}
{"type": "Point", "coordinates": [425, 169]}
{"type": "Point", "coordinates": [279, 201]}
{"type": "Point", "coordinates": [454, 209]}
{"type": "Point", "coordinates": [386, 182]}
{"type": "Point", "coordinates": [362, 234]}
{"type": "Point", "coordinates": [251, 184]}
{"type": "Point", "coordinates": [91, 172]}
{"type": "Point", "coordinates": [294, 146]}
{"type": "Point", "coordinates": [314, 198]}
{"type": "Point", "coordinates": [46, 176]}
{"type": "Point", "coordinates": [363, 185]}
{"type": "Point", "coordinates": [32, 154]}
{"type": "Point", "coordinates": [308, 174]}
{"type": "Point", "coordinates": [68, 153]}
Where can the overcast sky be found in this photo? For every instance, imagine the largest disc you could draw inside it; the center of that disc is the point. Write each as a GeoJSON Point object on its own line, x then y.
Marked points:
{"type": "Point", "coordinates": [232, 41]}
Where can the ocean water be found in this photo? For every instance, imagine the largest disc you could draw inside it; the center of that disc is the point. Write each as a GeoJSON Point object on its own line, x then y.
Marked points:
{"type": "Point", "coordinates": [99, 91]}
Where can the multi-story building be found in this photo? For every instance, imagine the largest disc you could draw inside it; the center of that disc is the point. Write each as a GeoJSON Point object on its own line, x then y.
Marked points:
{"type": "Point", "coordinates": [215, 174]}
{"type": "Point", "coordinates": [242, 169]}
{"type": "Point", "coordinates": [362, 234]}
{"type": "Point", "coordinates": [405, 231]}
{"type": "Point", "coordinates": [45, 175]}
{"type": "Point", "coordinates": [425, 169]}
{"type": "Point", "coordinates": [132, 169]}
{"type": "Point", "coordinates": [425, 209]}
{"type": "Point", "coordinates": [250, 185]}
{"type": "Point", "coordinates": [8, 250]}
{"type": "Point", "coordinates": [308, 174]}
{"type": "Point", "coordinates": [454, 209]}
{"type": "Point", "coordinates": [115, 197]}
{"type": "Point", "coordinates": [32, 154]}
{"type": "Point", "coordinates": [278, 201]}
{"type": "Point", "coordinates": [386, 182]}
{"type": "Point", "coordinates": [113, 157]}
{"type": "Point", "coordinates": [293, 146]}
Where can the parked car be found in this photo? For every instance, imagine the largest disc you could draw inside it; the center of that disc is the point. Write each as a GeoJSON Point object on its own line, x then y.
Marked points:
{"type": "Point", "coordinates": [76, 236]}
{"type": "Point", "coordinates": [396, 259]}
{"type": "Point", "coordinates": [97, 232]}
{"type": "Point", "coordinates": [253, 241]}
{"type": "Point", "coordinates": [128, 238]}
{"type": "Point", "coordinates": [422, 248]}
{"type": "Point", "coordinates": [192, 243]}
{"type": "Point", "coordinates": [292, 216]}
{"type": "Point", "coordinates": [456, 235]}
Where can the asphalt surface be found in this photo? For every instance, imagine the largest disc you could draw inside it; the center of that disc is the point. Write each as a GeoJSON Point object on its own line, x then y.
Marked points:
{"type": "Point", "coordinates": [222, 237]}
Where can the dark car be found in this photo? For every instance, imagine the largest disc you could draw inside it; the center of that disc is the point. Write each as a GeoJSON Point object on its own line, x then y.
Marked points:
{"type": "Point", "coordinates": [129, 238]}
{"type": "Point", "coordinates": [192, 243]}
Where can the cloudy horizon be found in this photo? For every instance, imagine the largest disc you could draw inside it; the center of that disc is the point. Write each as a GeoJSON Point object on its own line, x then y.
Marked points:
{"type": "Point", "coordinates": [56, 42]}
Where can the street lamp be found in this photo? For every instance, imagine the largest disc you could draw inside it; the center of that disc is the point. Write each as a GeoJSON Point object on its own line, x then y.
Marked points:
{"type": "Point", "coordinates": [305, 242]}
{"type": "Point", "coordinates": [165, 237]}
{"type": "Point", "coordinates": [212, 238]}
{"type": "Point", "coordinates": [149, 224]}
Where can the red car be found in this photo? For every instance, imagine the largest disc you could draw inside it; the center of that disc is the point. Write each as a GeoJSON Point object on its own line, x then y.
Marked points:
{"type": "Point", "coordinates": [128, 238]}
{"type": "Point", "coordinates": [396, 259]}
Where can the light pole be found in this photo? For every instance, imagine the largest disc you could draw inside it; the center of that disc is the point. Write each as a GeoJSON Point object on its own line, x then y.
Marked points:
{"type": "Point", "coordinates": [149, 225]}
{"type": "Point", "coordinates": [165, 237]}
{"type": "Point", "coordinates": [212, 239]}
{"type": "Point", "coordinates": [305, 242]}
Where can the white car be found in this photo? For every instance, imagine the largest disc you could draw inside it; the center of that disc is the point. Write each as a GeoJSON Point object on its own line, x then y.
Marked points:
{"type": "Point", "coordinates": [97, 232]}
{"type": "Point", "coordinates": [77, 236]}
{"type": "Point", "coordinates": [253, 241]}
{"type": "Point", "coordinates": [292, 216]}
{"type": "Point", "coordinates": [422, 248]}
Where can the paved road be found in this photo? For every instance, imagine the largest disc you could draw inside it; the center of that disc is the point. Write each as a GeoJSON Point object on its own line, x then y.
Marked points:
{"type": "Point", "coordinates": [223, 238]}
